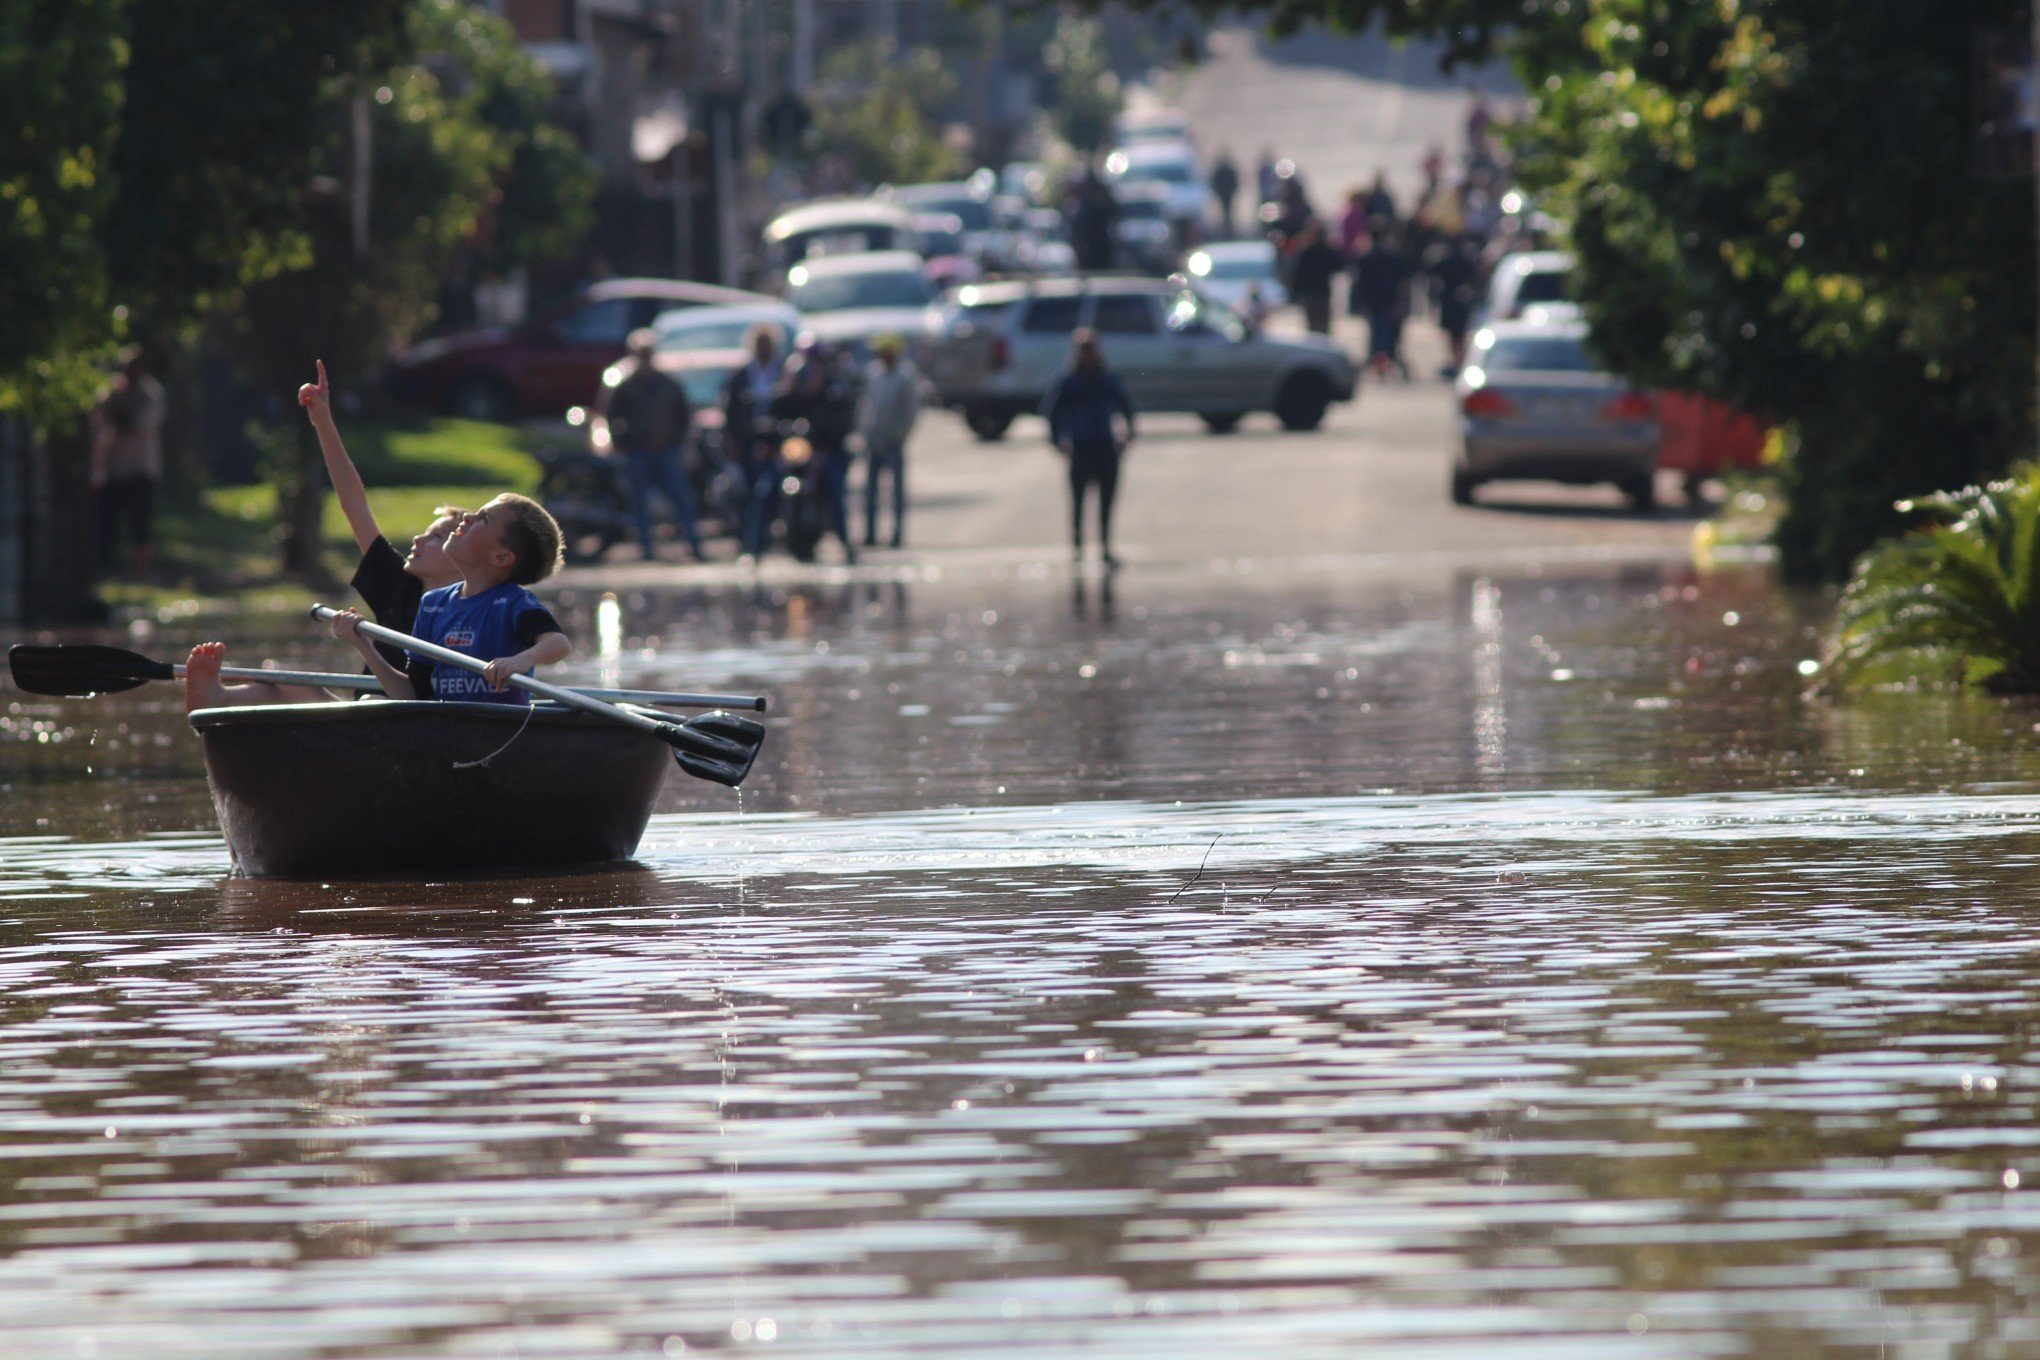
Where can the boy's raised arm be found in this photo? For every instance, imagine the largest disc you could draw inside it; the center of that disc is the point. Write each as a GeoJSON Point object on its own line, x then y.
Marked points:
{"type": "Point", "coordinates": [316, 398]}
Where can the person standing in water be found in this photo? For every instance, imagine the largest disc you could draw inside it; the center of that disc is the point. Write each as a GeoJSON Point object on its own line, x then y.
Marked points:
{"type": "Point", "coordinates": [1080, 410]}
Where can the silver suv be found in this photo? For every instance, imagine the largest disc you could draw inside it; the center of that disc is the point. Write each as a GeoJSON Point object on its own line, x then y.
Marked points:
{"type": "Point", "coordinates": [1002, 344]}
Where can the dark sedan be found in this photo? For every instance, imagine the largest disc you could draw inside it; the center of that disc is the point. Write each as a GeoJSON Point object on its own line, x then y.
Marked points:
{"type": "Point", "coordinates": [549, 363]}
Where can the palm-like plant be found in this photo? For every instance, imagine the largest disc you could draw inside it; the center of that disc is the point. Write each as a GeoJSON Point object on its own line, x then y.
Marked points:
{"type": "Point", "coordinates": [1960, 597]}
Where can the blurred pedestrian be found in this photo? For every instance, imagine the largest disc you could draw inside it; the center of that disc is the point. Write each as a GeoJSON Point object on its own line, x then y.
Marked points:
{"type": "Point", "coordinates": [1266, 182]}
{"type": "Point", "coordinates": [1381, 293]}
{"type": "Point", "coordinates": [1094, 222]}
{"type": "Point", "coordinates": [1455, 282]}
{"type": "Point", "coordinates": [1225, 187]}
{"type": "Point", "coordinates": [1380, 202]}
{"type": "Point", "coordinates": [885, 417]}
{"type": "Point", "coordinates": [649, 422]}
{"type": "Point", "coordinates": [127, 461]}
{"type": "Point", "coordinates": [812, 390]}
{"type": "Point", "coordinates": [1353, 223]}
{"type": "Point", "coordinates": [1312, 267]}
{"type": "Point", "coordinates": [1079, 409]}
{"type": "Point", "coordinates": [747, 426]}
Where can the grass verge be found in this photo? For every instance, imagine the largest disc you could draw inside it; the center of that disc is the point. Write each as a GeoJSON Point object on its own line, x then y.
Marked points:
{"type": "Point", "coordinates": [223, 551]}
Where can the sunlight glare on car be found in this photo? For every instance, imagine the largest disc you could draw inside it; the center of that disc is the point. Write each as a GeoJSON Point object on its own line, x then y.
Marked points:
{"type": "Point", "coordinates": [1200, 264]}
{"type": "Point", "coordinates": [1475, 375]}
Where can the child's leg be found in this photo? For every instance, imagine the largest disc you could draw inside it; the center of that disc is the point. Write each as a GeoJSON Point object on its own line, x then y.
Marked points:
{"type": "Point", "coordinates": [203, 687]}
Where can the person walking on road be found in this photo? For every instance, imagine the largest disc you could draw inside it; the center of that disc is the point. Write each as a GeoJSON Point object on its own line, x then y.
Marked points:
{"type": "Point", "coordinates": [127, 460]}
{"type": "Point", "coordinates": [1079, 409]}
{"type": "Point", "coordinates": [747, 428]}
{"type": "Point", "coordinates": [649, 420]}
{"type": "Point", "coordinates": [1381, 293]}
{"type": "Point", "coordinates": [1225, 187]}
{"type": "Point", "coordinates": [885, 417]}
{"type": "Point", "coordinates": [1312, 267]}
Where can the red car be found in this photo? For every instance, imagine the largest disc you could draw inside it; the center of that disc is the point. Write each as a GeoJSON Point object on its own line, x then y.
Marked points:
{"type": "Point", "coordinates": [549, 363]}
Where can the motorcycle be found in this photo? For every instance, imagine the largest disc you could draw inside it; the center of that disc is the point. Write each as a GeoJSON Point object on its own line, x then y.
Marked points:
{"type": "Point", "coordinates": [587, 488]}
{"type": "Point", "coordinates": [803, 501]}
{"type": "Point", "coordinates": [588, 493]}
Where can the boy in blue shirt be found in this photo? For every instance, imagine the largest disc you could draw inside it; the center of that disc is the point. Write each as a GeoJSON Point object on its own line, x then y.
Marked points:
{"type": "Point", "coordinates": [391, 583]}
{"type": "Point", "coordinates": [509, 544]}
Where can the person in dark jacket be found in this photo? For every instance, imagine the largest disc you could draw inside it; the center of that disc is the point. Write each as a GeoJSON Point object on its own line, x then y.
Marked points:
{"type": "Point", "coordinates": [1381, 293]}
{"type": "Point", "coordinates": [1455, 281]}
{"type": "Point", "coordinates": [747, 434]}
{"type": "Point", "coordinates": [649, 421]}
{"type": "Point", "coordinates": [1312, 266]}
{"type": "Point", "coordinates": [1225, 187]}
{"type": "Point", "coordinates": [813, 389]}
{"type": "Point", "coordinates": [1079, 410]}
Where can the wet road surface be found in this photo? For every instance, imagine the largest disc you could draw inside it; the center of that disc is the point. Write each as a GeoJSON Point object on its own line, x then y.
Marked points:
{"type": "Point", "coordinates": [1505, 963]}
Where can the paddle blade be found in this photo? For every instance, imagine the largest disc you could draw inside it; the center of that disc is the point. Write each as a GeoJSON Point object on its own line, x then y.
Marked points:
{"type": "Point", "coordinates": [82, 670]}
{"type": "Point", "coordinates": [719, 747]}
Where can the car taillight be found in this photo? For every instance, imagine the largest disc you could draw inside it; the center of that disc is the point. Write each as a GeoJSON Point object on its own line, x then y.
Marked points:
{"type": "Point", "coordinates": [1629, 406]}
{"type": "Point", "coordinates": [1485, 403]}
{"type": "Point", "coordinates": [1002, 352]}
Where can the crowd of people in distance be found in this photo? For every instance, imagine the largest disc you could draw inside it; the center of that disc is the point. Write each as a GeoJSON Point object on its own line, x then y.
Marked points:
{"type": "Point", "coordinates": [1436, 257]}
{"type": "Point", "coordinates": [840, 413]}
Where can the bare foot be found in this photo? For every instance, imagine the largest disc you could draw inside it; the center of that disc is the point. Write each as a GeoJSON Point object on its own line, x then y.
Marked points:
{"type": "Point", "coordinates": [202, 687]}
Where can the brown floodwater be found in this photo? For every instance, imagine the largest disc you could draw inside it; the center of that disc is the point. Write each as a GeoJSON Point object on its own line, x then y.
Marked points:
{"type": "Point", "coordinates": [1512, 964]}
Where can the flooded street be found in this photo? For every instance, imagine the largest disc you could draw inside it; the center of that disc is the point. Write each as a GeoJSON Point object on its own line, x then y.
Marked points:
{"type": "Point", "coordinates": [1309, 963]}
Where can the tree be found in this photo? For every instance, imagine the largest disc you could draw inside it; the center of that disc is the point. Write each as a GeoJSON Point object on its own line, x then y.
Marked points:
{"type": "Point", "coordinates": [880, 112]}
{"type": "Point", "coordinates": [457, 143]}
{"type": "Point", "coordinates": [1087, 93]}
{"type": "Point", "coordinates": [1776, 205]}
{"type": "Point", "coordinates": [60, 96]}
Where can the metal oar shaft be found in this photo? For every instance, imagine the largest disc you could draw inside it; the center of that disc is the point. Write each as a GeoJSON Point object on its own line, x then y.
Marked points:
{"type": "Point", "coordinates": [336, 680]}
{"type": "Point", "coordinates": [447, 656]}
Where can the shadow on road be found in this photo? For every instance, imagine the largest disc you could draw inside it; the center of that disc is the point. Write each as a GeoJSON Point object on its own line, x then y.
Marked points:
{"type": "Point", "coordinates": [1681, 510]}
{"type": "Point", "coordinates": [1372, 55]}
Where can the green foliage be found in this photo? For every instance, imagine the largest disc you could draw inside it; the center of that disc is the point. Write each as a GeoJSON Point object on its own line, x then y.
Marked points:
{"type": "Point", "coordinates": [542, 203]}
{"type": "Point", "coordinates": [60, 101]}
{"type": "Point", "coordinates": [1960, 598]}
{"type": "Point", "coordinates": [1087, 93]}
{"type": "Point", "coordinates": [1775, 205]}
{"type": "Point", "coordinates": [226, 540]}
{"type": "Point", "coordinates": [880, 111]}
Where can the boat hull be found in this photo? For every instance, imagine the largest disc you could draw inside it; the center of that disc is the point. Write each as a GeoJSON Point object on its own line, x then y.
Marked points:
{"type": "Point", "coordinates": [396, 787]}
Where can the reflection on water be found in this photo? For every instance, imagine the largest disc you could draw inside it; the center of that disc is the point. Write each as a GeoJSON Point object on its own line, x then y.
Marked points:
{"type": "Point", "coordinates": [1518, 968]}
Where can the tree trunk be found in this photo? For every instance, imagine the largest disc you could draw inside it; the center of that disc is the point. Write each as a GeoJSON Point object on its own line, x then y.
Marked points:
{"type": "Point", "coordinates": [300, 497]}
{"type": "Point", "coordinates": [59, 569]}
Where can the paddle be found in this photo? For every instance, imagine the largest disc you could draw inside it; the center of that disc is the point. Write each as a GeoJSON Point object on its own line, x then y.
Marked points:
{"type": "Point", "coordinates": [80, 670]}
{"type": "Point", "coordinates": [715, 746]}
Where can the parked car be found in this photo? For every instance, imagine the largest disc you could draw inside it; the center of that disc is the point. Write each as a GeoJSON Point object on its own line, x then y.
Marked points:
{"type": "Point", "coordinates": [1151, 125]}
{"type": "Point", "coordinates": [850, 300]}
{"type": "Point", "coordinates": [1146, 237]}
{"type": "Point", "coordinates": [549, 363]}
{"type": "Point", "coordinates": [970, 202]}
{"type": "Point", "coordinates": [842, 226]}
{"type": "Point", "coordinates": [723, 328]}
{"type": "Point", "coordinates": [1172, 166]}
{"type": "Point", "coordinates": [1002, 344]}
{"type": "Point", "coordinates": [939, 241]}
{"type": "Point", "coordinates": [1228, 271]}
{"type": "Point", "coordinates": [1531, 278]}
{"type": "Point", "coordinates": [1533, 404]}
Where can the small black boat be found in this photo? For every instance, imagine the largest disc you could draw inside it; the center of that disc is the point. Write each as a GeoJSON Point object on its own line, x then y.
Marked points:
{"type": "Point", "coordinates": [385, 787]}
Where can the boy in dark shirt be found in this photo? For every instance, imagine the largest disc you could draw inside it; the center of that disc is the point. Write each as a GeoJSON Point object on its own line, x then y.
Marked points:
{"type": "Point", "coordinates": [509, 544]}
{"type": "Point", "coordinates": [391, 585]}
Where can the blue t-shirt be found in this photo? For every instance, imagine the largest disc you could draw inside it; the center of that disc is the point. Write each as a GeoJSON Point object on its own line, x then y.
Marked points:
{"type": "Point", "coordinates": [501, 621]}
